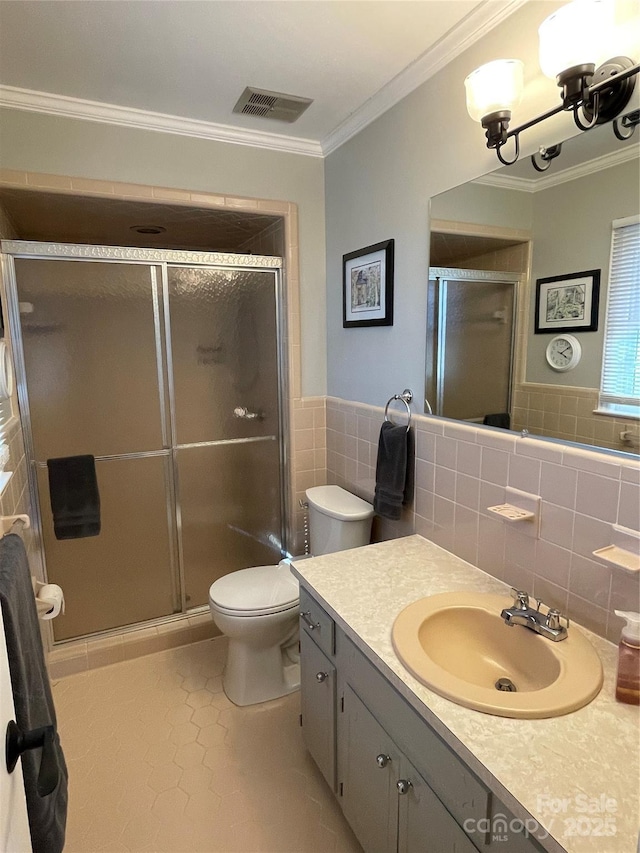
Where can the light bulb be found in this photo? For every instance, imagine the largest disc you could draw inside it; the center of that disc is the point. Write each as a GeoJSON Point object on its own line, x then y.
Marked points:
{"type": "Point", "coordinates": [494, 87]}
{"type": "Point", "coordinates": [577, 34]}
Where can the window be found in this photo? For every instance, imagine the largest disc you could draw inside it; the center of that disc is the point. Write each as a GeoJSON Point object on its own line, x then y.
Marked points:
{"type": "Point", "coordinates": [620, 383]}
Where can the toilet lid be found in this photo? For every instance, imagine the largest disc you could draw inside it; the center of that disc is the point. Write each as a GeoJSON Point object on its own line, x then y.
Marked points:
{"type": "Point", "coordinates": [258, 590]}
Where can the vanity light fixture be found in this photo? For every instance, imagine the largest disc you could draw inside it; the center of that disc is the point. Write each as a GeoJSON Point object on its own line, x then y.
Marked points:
{"type": "Point", "coordinates": [572, 40]}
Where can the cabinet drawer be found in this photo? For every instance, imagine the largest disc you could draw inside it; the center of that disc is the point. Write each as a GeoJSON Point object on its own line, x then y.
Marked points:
{"type": "Point", "coordinates": [458, 789]}
{"type": "Point", "coordinates": [316, 623]}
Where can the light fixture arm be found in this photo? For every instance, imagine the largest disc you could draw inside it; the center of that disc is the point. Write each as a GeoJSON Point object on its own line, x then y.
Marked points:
{"type": "Point", "coordinates": [545, 156]}
{"type": "Point", "coordinates": [629, 121]}
{"type": "Point", "coordinates": [595, 109]}
{"type": "Point", "coordinates": [518, 130]}
{"type": "Point", "coordinates": [591, 105]}
{"type": "Point", "coordinates": [516, 152]}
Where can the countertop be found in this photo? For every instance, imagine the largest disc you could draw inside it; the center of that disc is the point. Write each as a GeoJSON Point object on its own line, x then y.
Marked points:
{"type": "Point", "coordinates": [577, 775]}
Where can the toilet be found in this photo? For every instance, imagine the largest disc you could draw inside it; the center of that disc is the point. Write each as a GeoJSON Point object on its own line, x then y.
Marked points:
{"type": "Point", "coordinates": [257, 608]}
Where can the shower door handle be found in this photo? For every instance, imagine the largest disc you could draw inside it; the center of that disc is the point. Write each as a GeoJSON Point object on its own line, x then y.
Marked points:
{"type": "Point", "coordinates": [244, 413]}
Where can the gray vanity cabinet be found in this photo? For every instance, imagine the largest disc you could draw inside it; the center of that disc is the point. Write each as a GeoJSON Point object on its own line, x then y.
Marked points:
{"type": "Point", "coordinates": [388, 804]}
{"type": "Point", "coordinates": [401, 787]}
{"type": "Point", "coordinates": [369, 770]}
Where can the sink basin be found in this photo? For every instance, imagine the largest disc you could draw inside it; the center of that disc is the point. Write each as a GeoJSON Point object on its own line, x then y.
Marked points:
{"type": "Point", "coordinates": [457, 644]}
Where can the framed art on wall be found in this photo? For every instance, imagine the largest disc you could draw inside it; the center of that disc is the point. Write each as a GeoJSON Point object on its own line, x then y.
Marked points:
{"type": "Point", "coordinates": [367, 286]}
{"type": "Point", "coordinates": [566, 303]}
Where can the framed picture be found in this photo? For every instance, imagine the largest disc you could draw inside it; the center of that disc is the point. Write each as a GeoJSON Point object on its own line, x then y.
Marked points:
{"type": "Point", "coordinates": [566, 303]}
{"type": "Point", "coordinates": [367, 286]}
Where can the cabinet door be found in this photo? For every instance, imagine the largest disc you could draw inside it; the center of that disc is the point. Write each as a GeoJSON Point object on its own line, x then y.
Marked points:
{"type": "Point", "coordinates": [424, 825]}
{"type": "Point", "coordinates": [370, 768]}
{"type": "Point", "coordinates": [318, 700]}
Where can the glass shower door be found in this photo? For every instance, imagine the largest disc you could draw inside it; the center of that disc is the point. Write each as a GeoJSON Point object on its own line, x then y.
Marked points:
{"type": "Point", "coordinates": [469, 345]}
{"type": "Point", "coordinates": [91, 336]}
{"type": "Point", "coordinates": [226, 421]}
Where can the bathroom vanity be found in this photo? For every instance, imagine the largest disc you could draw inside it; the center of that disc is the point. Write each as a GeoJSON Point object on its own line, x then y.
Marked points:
{"type": "Point", "coordinates": [416, 772]}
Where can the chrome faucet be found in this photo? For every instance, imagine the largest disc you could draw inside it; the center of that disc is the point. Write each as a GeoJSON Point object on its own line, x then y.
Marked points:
{"type": "Point", "coordinates": [547, 625]}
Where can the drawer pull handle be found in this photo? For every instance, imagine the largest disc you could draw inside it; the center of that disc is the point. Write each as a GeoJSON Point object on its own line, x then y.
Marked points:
{"type": "Point", "coordinates": [322, 676]}
{"type": "Point", "coordinates": [308, 621]}
{"type": "Point", "coordinates": [382, 760]}
{"type": "Point", "coordinates": [403, 786]}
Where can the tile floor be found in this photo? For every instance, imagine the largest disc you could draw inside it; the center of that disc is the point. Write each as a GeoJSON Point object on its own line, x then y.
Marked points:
{"type": "Point", "coordinates": [160, 760]}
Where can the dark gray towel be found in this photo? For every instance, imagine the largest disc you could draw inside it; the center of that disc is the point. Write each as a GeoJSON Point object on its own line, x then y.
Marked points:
{"type": "Point", "coordinates": [500, 419]}
{"type": "Point", "coordinates": [31, 694]}
{"type": "Point", "coordinates": [75, 500]}
{"type": "Point", "coordinates": [394, 483]}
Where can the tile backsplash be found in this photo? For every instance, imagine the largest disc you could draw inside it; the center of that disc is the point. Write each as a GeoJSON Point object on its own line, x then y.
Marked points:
{"type": "Point", "coordinates": [570, 414]}
{"type": "Point", "coordinates": [461, 470]}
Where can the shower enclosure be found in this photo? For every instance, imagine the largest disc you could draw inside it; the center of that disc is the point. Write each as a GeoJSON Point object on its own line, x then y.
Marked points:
{"type": "Point", "coordinates": [470, 342]}
{"type": "Point", "coordinates": [167, 367]}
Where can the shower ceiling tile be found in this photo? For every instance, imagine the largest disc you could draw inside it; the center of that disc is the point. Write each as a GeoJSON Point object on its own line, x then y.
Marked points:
{"type": "Point", "coordinates": [58, 217]}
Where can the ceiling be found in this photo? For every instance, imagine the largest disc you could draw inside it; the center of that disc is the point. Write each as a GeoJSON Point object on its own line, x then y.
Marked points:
{"type": "Point", "coordinates": [192, 59]}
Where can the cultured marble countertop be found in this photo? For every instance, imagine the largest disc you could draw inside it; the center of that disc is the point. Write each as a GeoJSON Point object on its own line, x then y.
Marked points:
{"type": "Point", "coordinates": [577, 775]}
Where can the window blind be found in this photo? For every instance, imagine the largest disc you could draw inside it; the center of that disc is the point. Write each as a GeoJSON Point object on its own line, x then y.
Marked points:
{"type": "Point", "coordinates": [620, 383]}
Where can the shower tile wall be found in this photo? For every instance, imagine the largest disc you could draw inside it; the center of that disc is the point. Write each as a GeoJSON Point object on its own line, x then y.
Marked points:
{"type": "Point", "coordinates": [267, 242]}
{"type": "Point", "coordinates": [309, 458]}
{"type": "Point", "coordinates": [461, 470]}
{"type": "Point", "coordinates": [15, 497]}
{"type": "Point", "coordinates": [7, 230]}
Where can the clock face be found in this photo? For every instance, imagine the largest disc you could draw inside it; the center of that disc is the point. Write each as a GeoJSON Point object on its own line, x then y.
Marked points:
{"type": "Point", "coordinates": [563, 352]}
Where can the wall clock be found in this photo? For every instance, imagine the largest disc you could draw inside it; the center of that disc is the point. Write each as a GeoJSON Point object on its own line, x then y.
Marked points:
{"type": "Point", "coordinates": [563, 352]}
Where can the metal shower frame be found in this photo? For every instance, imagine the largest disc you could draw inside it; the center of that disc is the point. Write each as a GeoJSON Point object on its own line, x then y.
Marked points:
{"type": "Point", "coordinates": [154, 259]}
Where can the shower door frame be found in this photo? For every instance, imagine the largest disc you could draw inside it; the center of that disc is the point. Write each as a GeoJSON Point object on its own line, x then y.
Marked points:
{"type": "Point", "coordinates": [434, 368]}
{"type": "Point", "coordinates": [152, 258]}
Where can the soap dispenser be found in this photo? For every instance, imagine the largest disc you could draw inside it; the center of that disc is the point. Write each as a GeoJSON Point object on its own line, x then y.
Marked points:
{"type": "Point", "coordinates": [628, 681]}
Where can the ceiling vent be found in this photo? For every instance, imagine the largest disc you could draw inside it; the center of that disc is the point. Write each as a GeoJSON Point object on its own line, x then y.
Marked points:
{"type": "Point", "coordinates": [275, 105]}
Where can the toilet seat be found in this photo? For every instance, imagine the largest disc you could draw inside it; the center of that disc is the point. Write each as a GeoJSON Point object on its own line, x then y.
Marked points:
{"type": "Point", "coordinates": [257, 591]}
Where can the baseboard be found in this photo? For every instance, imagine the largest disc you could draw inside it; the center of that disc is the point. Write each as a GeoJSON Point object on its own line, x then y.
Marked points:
{"type": "Point", "coordinates": [85, 654]}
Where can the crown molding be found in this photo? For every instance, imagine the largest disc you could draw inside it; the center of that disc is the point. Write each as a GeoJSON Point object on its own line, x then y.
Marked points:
{"type": "Point", "coordinates": [508, 182]}
{"type": "Point", "coordinates": [488, 15]}
{"type": "Point", "coordinates": [452, 44]}
{"type": "Point", "coordinates": [534, 185]}
{"type": "Point", "coordinates": [29, 100]}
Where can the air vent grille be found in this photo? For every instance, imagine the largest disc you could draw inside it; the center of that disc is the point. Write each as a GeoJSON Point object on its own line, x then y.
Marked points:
{"type": "Point", "coordinates": [273, 105]}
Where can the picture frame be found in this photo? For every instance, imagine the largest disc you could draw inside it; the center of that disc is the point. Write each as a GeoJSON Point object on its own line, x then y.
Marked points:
{"type": "Point", "coordinates": [367, 286]}
{"type": "Point", "coordinates": [567, 303]}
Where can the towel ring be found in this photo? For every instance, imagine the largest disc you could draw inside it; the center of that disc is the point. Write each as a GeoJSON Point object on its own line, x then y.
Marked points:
{"type": "Point", "coordinates": [406, 397]}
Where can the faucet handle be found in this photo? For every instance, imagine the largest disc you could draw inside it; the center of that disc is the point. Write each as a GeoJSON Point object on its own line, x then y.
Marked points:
{"type": "Point", "coordinates": [520, 598]}
{"type": "Point", "coordinates": [553, 619]}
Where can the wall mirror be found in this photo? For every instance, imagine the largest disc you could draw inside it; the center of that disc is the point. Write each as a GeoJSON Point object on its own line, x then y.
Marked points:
{"type": "Point", "coordinates": [491, 240]}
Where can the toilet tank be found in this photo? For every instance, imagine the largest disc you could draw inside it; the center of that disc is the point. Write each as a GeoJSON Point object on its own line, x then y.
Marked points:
{"type": "Point", "coordinates": [337, 520]}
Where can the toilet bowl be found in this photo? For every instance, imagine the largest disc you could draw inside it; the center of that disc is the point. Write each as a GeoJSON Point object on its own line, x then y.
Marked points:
{"type": "Point", "coordinates": [257, 608]}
